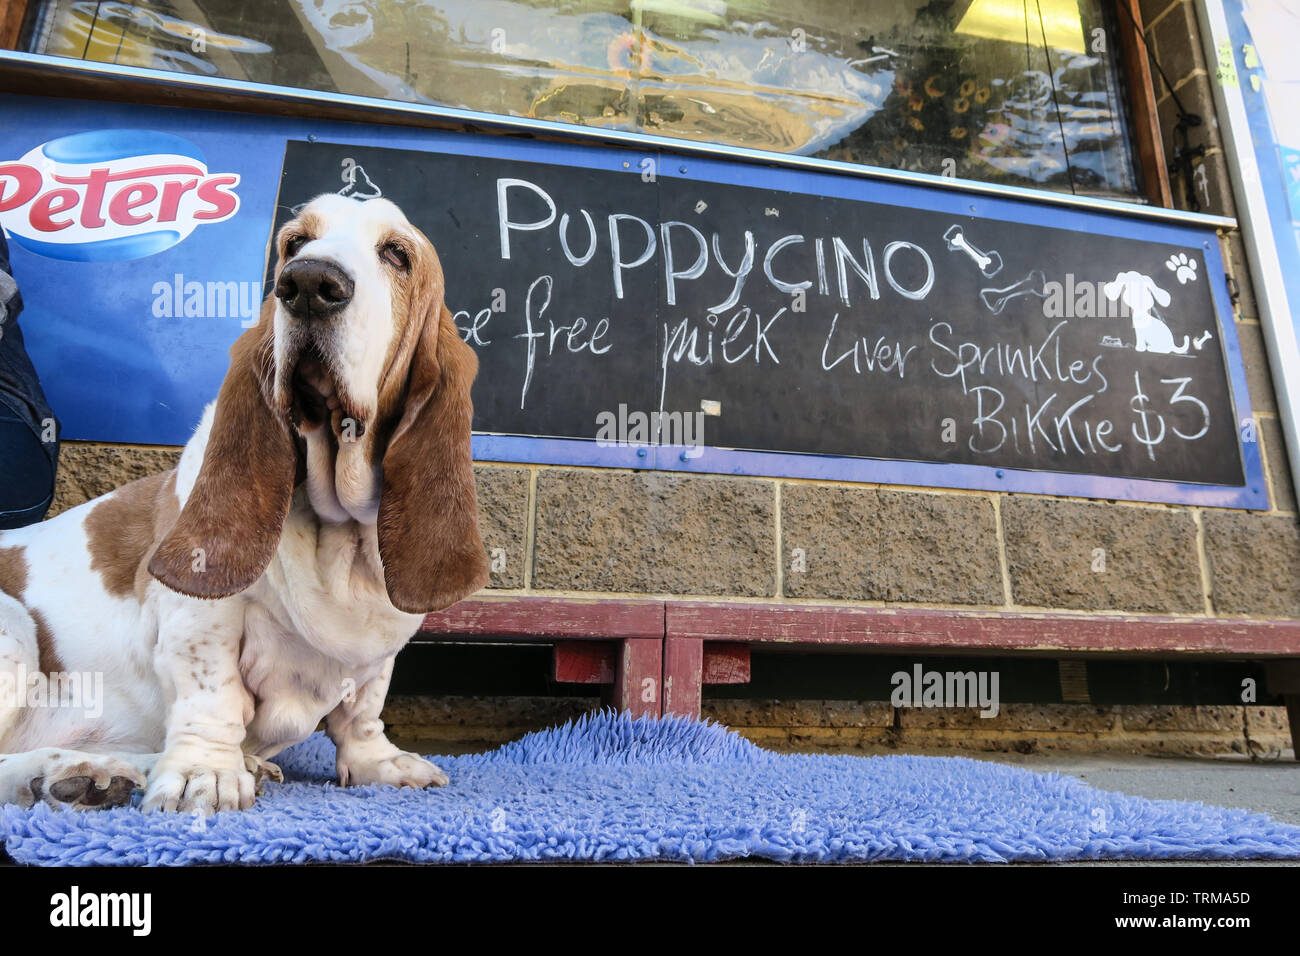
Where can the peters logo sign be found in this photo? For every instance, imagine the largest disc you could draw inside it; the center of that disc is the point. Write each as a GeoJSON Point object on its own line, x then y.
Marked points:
{"type": "Point", "coordinates": [111, 194]}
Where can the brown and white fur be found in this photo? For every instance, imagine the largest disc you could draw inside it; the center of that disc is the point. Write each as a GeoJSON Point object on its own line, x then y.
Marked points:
{"type": "Point", "coordinates": [325, 503]}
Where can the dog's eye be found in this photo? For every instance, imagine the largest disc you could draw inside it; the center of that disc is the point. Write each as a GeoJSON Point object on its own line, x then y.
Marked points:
{"type": "Point", "coordinates": [293, 244]}
{"type": "Point", "coordinates": [395, 256]}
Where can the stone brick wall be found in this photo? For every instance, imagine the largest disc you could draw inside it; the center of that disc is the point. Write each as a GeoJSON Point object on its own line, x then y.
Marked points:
{"type": "Point", "coordinates": [873, 727]}
{"type": "Point", "coordinates": [597, 532]}
{"type": "Point", "coordinates": [615, 533]}
{"type": "Point", "coordinates": [445, 725]}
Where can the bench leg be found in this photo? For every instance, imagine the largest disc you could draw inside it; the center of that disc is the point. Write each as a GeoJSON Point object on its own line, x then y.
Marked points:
{"type": "Point", "coordinates": [683, 675]}
{"type": "Point", "coordinates": [1293, 718]}
{"type": "Point", "coordinates": [1283, 678]}
{"type": "Point", "coordinates": [690, 663]}
{"type": "Point", "coordinates": [637, 676]}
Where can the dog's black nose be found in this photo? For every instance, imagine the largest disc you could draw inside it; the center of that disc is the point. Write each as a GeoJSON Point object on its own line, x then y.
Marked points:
{"type": "Point", "coordinates": [313, 288]}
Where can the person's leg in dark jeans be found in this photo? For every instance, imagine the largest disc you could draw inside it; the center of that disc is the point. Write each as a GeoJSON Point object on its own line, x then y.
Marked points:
{"type": "Point", "coordinates": [29, 447]}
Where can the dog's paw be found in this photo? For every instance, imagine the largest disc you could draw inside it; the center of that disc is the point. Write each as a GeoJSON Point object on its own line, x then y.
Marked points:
{"type": "Point", "coordinates": [74, 780]}
{"type": "Point", "coordinates": [399, 769]}
{"type": "Point", "coordinates": [200, 785]}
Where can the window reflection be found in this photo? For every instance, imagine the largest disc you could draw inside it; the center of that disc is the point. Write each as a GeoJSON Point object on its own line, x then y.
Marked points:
{"type": "Point", "coordinates": [1024, 92]}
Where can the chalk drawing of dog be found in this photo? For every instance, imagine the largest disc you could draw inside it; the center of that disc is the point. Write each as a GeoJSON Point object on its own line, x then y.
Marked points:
{"type": "Point", "coordinates": [1140, 293]}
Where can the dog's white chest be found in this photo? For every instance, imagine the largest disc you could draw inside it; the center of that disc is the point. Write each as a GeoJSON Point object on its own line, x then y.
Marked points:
{"type": "Point", "coordinates": [320, 633]}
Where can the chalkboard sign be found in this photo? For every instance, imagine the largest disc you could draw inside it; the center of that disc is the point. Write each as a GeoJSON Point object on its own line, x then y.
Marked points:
{"type": "Point", "coordinates": [658, 309]}
{"type": "Point", "coordinates": [805, 324]}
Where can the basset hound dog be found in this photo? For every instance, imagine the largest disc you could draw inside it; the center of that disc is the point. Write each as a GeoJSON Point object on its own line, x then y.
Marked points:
{"type": "Point", "coordinates": [324, 504]}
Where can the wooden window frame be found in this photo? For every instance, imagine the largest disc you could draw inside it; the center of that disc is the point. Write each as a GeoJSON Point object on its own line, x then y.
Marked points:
{"type": "Point", "coordinates": [12, 14]}
{"type": "Point", "coordinates": [1142, 105]}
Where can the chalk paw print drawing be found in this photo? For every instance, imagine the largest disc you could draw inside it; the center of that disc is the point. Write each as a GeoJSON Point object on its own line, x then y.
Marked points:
{"type": "Point", "coordinates": [1183, 268]}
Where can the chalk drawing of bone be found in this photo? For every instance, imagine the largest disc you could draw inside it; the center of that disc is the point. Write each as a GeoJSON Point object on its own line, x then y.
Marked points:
{"type": "Point", "coordinates": [990, 263]}
{"type": "Point", "coordinates": [1033, 284]}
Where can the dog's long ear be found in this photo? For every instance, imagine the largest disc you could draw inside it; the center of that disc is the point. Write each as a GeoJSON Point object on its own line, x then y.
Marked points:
{"type": "Point", "coordinates": [1159, 294]}
{"type": "Point", "coordinates": [230, 526]}
{"type": "Point", "coordinates": [428, 518]}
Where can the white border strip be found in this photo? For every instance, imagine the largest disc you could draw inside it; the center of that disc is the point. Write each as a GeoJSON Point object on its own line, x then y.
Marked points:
{"type": "Point", "coordinates": [1256, 227]}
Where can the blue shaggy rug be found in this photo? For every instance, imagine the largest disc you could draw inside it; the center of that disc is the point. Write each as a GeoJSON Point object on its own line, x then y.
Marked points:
{"type": "Point", "coordinates": [611, 787]}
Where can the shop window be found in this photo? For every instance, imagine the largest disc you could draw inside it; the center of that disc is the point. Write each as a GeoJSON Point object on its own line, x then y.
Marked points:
{"type": "Point", "coordinates": [1021, 92]}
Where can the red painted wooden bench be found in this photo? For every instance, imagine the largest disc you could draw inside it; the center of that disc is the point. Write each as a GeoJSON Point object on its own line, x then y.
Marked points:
{"type": "Point", "coordinates": [655, 656]}
{"type": "Point", "coordinates": [615, 643]}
